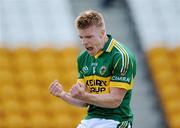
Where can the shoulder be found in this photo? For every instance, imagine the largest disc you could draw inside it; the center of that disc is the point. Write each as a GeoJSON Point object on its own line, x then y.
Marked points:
{"type": "Point", "coordinates": [118, 51]}
{"type": "Point", "coordinates": [123, 51]}
{"type": "Point", "coordinates": [120, 48]}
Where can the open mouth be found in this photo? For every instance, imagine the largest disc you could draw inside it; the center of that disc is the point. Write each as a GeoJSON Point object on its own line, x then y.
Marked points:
{"type": "Point", "coordinates": [89, 48]}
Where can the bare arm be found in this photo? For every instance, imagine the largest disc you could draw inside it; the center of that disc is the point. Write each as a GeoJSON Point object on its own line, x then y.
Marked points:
{"type": "Point", "coordinates": [111, 100]}
{"type": "Point", "coordinates": [56, 89]}
{"type": "Point", "coordinates": [73, 101]}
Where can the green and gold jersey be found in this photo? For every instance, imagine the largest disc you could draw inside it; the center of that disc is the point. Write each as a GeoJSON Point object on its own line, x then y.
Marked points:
{"type": "Point", "coordinates": [114, 66]}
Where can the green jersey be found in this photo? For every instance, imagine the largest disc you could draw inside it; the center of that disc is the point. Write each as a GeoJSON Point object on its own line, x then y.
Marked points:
{"type": "Point", "coordinates": [113, 66]}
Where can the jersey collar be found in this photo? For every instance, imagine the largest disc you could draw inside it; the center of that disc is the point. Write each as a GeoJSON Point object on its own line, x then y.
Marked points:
{"type": "Point", "coordinates": [108, 45]}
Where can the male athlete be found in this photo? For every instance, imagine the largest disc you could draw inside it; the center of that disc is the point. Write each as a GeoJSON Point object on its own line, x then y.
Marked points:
{"type": "Point", "coordinates": [106, 75]}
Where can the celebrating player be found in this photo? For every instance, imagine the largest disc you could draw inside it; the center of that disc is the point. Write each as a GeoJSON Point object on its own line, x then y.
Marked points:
{"type": "Point", "coordinates": [106, 74]}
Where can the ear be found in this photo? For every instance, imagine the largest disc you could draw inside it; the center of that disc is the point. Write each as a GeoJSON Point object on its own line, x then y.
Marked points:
{"type": "Point", "coordinates": [102, 32]}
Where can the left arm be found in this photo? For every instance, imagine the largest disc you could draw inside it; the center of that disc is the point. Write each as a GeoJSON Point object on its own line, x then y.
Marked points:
{"type": "Point", "coordinates": [110, 100]}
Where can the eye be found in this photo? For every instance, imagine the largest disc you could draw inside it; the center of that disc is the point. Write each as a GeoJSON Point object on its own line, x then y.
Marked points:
{"type": "Point", "coordinates": [80, 37]}
{"type": "Point", "coordinates": [88, 37]}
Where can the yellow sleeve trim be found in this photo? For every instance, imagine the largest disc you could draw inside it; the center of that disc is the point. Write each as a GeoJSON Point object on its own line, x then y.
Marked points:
{"type": "Point", "coordinates": [121, 85]}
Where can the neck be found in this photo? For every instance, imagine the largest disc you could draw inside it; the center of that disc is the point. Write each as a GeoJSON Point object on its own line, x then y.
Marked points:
{"type": "Point", "coordinates": [104, 40]}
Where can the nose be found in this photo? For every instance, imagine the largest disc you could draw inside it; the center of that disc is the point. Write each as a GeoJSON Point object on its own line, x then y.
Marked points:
{"type": "Point", "coordinates": [84, 41]}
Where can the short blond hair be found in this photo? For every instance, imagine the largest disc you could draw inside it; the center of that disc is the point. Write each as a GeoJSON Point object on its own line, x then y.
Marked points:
{"type": "Point", "coordinates": [89, 18]}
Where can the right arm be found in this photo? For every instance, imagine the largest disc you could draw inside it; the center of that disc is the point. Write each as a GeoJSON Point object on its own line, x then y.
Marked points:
{"type": "Point", "coordinates": [57, 90]}
{"type": "Point", "coordinates": [69, 99]}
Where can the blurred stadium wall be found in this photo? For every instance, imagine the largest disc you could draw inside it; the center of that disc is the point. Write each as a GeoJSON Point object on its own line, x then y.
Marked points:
{"type": "Point", "coordinates": [38, 43]}
{"type": "Point", "coordinates": [157, 23]}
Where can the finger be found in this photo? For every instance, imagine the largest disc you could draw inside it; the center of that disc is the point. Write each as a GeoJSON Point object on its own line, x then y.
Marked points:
{"type": "Point", "coordinates": [82, 86]}
{"type": "Point", "coordinates": [51, 87]}
{"type": "Point", "coordinates": [74, 91]}
{"type": "Point", "coordinates": [57, 93]}
{"type": "Point", "coordinates": [55, 88]}
{"type": "Point", "coordinates": [58, 89]}
{"type": "Point", "coordinates": [71, 90]}
{"type": "Point", "coordinates": [53, 84]}
{"type": "Point", "coordinates": [81, 89]}
{"type": "Point", "coordinates": [55, 81]}
{"type": "Point", "coordinates": [80, 83]}
{"type": "Point", "coordinates": [78, 87]}
{"type": "Point", "coordinates": [74, 94]}
{"type": "Point", "coordinates": [59, 83]}
{"type": "Point", "coordinates": [73, 87]}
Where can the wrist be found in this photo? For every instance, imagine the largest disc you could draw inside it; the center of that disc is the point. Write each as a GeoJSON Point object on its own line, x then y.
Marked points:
{"type": "Point", "coordinates": [85, 96]}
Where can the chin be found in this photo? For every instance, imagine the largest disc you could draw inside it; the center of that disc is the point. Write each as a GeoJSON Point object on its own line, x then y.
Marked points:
{"type": "Point", "coordinates": [91, 54]}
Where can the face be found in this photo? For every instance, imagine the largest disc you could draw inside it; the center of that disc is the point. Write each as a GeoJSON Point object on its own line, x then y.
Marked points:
{"type": "Point", "coordinates": [92, 39]}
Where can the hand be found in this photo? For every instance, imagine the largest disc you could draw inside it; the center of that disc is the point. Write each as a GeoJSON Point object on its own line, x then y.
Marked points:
{"type": "Point", "coordinates": [78, 90]}
{"type": "Point", "coordinates": [56, 88]}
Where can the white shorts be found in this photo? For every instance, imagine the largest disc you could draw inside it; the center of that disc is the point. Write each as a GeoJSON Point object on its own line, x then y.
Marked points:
{"type": "Point", "coordinates": [103, 123]}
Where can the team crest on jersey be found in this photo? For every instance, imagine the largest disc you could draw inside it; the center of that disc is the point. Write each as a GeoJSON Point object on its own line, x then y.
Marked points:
{"type": "Point", "coordinates": [85, 69]}
{"type": "Point", "coordinates": [102, 70]}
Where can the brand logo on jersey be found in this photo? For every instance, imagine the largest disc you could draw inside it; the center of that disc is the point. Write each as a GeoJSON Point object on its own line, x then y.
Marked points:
{"type": "Point", "coordinates": [102, 70]}
{"type": "Point", "coordinates": [85, 69]}
{"type": "Point", "coordinates": [124, 79]}
{"type": "Point", "coordinates": [96, 86]}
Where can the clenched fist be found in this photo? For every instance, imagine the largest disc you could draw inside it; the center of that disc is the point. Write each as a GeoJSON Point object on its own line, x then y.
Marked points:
{"type": "Point", "coordinates": [78, 90]}
{"type": "Point", "coordinates": [56, 88]}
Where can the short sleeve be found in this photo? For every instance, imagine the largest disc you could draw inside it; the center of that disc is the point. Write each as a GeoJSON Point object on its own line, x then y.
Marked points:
{"type": "Point", "coordinates": [122, 72]}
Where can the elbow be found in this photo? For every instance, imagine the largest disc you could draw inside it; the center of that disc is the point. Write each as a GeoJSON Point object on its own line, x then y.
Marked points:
{"type": "Point", "coordinates": [116, 103]}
